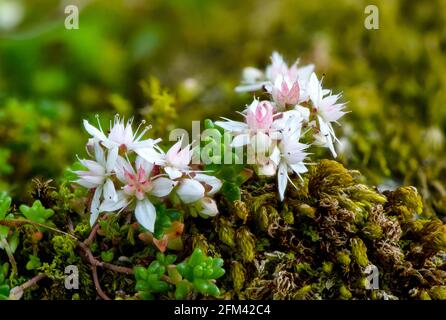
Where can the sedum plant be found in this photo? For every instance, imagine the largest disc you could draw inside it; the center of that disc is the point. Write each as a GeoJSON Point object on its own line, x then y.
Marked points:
{"type": "Point", "coordinates": [126, 215]}
{"type": "Point", "coordinates": [197, 274]}
{"type": "Point", "coordinates": [278, 131]}
{"type": "Point", "coordinates": [129, 172]}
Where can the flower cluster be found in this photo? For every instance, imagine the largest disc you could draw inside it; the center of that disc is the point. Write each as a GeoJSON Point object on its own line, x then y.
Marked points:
{"type": "Point", "coordinates": [129, 172]}
{"type": "Point", "coordinates": [273, 130]}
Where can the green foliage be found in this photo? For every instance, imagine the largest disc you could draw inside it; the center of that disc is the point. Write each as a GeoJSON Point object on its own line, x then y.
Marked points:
{"type": "Point", "coordinates": [233, 175]}
{"type": "Point", "coordinates": [200, 271]}
{"type": "Point", "coordinates": [395, 135]}
{"type": "Point", "coordinates": [5, 167]}
{"type": "Point", "coordinates": [162, 111]}
{"type": "Point", "coordinates": [107, 256]}
{"type": "Point", "coordinates": [196, 274]}
{"type": "Point", "coordinates": [5, 203]}
{"type": "Point", "coordinates": [149, 281]}
{"type": "Point", "coordinates": [4, 287]}
{"type": "Point", "coordinates": [37, 212]}
{"type": "Point", "coordinates": [164, 219]}
{"type": "Point", "coordinates": [33, 263]}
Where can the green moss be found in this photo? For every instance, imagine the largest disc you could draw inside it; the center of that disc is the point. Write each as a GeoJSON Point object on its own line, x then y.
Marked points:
{"type": "Point", "coordinates": [438, 292]}
{"type": "Point", "coordinates": [359, 252]}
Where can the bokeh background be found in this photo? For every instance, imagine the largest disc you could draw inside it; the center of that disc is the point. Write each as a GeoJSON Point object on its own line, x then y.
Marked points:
{"type": "Point", "coordinates": [171, 62]}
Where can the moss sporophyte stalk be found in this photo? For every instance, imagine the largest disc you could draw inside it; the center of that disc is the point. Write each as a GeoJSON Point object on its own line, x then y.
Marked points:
{"type": "Point", "coordinates": [139, 220]}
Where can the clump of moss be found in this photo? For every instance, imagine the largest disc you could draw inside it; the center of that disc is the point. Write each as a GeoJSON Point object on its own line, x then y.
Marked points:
{"type": "Point", "coordinates": [319, 243]}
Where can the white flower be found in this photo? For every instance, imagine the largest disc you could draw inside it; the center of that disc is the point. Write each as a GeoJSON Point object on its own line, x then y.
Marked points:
{"type": "Point", "coordinates": [212, 184]}
{"type": "Point", "coordinates": [139, 184]}
{"type": "Point", "coordinates": [289, 155]}
{"type": "Point", "coordinates": [177, 160]}
{"type": "Point", "coordinates": [251, 80]}
{"type": "Point", "coordinates": [122, 138]}
{"type": "Point", "coordinates": [267, 169]}
{"type": "Point", "coordinates": [285, 91]}
{"type": "Point", "coordinates": [197, 191]}
{"type": "Point", "coordinates": [285, 119]}
{"type": "Point", "coordinates": [256, 130]}
{"type": "Point", "coordinates": [303, 78]}
{"type": "Point", "coordinates": [328, 111]}
{"type": "Point", "coordinates": [254, 79]}
{"type": "Point", "coordinates": [207, 206]}
{"type": "Point", "coordinates": [190, 190]}
{"type": "Point", "coordinates": [97, 176]}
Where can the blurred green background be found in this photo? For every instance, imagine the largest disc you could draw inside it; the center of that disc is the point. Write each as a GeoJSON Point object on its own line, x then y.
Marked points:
{"type": "Point", "coordinates": [176, 61]}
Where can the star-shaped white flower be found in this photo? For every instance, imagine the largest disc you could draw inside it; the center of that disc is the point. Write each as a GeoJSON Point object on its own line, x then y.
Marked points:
{"type": "Point", "coordinates": [289, 155]}
{"type": "Point", "coordinates": [122, 138]}
{"type": "Point", "coordinates": [140, 186]}
{"type": "Point", "coordinates": [98, 177]}
{"type": "Point", "coordinates": [328, 111]}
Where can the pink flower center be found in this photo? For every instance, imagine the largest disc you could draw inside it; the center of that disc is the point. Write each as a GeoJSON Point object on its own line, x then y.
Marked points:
{"type": "Point", "coordinates": [261, 117]}
{"type": "Point", "coordinates": [137, 184]}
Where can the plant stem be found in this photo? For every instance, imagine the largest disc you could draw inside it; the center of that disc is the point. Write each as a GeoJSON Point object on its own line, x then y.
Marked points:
{"type": "Point", "coordinates": [97, 285]}
{"type": "Point", "coordinates": [95, 262]}
{"type": "Point", "coordinates": [84, 246]}
{"type": "Point", "coordinates": [17, 292]}
{"type": "Point", "coordinates": [92, 235]}
{"type": "Point", "coordinates": [21, 222]}
{"type": "Point", "coordinates": [11, 258]}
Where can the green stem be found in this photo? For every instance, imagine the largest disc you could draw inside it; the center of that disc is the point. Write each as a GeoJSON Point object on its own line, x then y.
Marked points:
{"type": "Point", "coordinates": [20, 222]}
{"type": "Point", "coordinates": [10, 254]}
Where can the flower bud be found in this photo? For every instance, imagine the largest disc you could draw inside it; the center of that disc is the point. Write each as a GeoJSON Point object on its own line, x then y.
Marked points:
{"type": "Point", "coordinates": [252, 75]}
{"type": "Point", "coordinates": [207, 206]}
{"type": "Point", "coordinates": [285, 91]}
{"type": "Point", "coordinates": [190, 190]}
{"type": "Point", "coordinates": [260, 115]}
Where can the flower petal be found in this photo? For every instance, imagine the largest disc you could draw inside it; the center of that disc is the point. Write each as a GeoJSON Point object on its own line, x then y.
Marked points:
{"type": "Point", "coordinates": [94, 131]}
{"type": "Point", "coordinates": [190, 190]}
{"type": "Point", "coordinates": [94, 167]}
{"type": "Point", "coordinates": [145, 214]}
{"type": "Point", "coordinates": [150, 155]}
{"type": "Point", "coordinates": [326, 132]}
{"type": "Point", "coordinates": [111, 159]}
{"type": "Point", "coordinates": [95, 205]}
{"type": "Point", "coordinates": [250, 87]}
{"type": "Point", "coordinates": [98, 152]}
{"type": "Point", "coordinates": [142, 163]}
{"type": "Point", "coordinates": [122, 166]}
{"type": "Point", "coordinates": [110, 205]}
{"type": "Point", "coordinates": [232, 126]}
{"type": "Point", "coordinates": [208, 207]}
{"type": "Point", "coordinates": [212, 181]}
{"type": "Point", "coordinates": [162, 187]}
{"type": "Point", "coordinates": [109, 191]}
{"type": "Point", "coordinates": [90, 182]}
{"type": "Point", "coordinates": [240, 140]}
{"type": "Point", "coordinates": [314, 90]}
{"type": "Point", "coordinates": [282, 179]}
{"type": "Point", "coordinates": [173, 173]}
